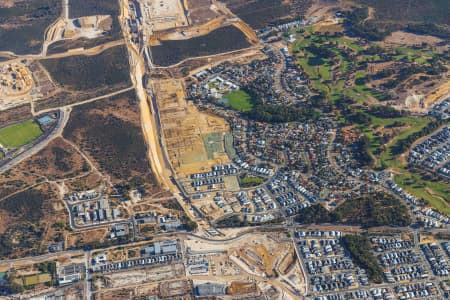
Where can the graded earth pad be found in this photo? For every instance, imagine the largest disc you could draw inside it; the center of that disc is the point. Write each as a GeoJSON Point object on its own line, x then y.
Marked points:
{"type": "Point", "coordinates": [201, 11]}
{"type": "Point", "coordinates": [163, 14]}
{"type": "Point", "coordinates": [103, 14]}
{"type": "Point", "coordinates": [185, 129]}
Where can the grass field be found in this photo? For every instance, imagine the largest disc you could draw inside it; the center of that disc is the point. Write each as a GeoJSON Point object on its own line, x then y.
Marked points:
{"type": "Point", "coordinates": [19, 134]}
{"type": "Point", "coordinates": [239, 100]}
{"type": "Point", "coordinates": [251, 181]}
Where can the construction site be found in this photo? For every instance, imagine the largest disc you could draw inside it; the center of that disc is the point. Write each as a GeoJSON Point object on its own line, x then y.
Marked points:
{"type": "Point", "coordinates": [16, 83]}
{"type": "Point", "coordinates": [268, 259]}
{"type": "Point", "coordinates": [89, 27]}
{"type": "Point", "coordinates": [184, 129]}
{"type": "Point", "coordinates": [162, 15]}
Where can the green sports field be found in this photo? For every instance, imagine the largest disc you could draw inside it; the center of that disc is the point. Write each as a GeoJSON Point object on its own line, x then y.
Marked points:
{"type": "Point", "coordinates": [19, 134]}
{"type": "Point", "coordinates": [239, 100]}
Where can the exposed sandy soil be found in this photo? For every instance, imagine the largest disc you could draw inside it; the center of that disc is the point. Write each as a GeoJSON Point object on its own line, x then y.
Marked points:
{"type": "Point", "coordinates": [324, 9]}
{"type": "Point", "coordinates": [330, 28]}
{"type": "Point", "coordinates": [75, 239]}
{"type": "Point", "coordinates": [237, 288]}
{"type": "Point", "coordinates": [184, 127]}
{"type": "Point", "coordinates": [438, 95]}
{"type": "Point", "coordinates": [147, 275]}
{"type": "Point", "coordinates": [7, 3]}
{"type": "Point", "coordinates": [201, 11]}
{"type": "Point", "coordinates": [262, 251]}
{"type": "Point", "coordinates": [287, 262]}
{"type": "Point", "coordinates": [4, 221]}
{"type": "Point", "coordinates": [410, 39]}
{"type": "Point", "coordinates": [165, 14]}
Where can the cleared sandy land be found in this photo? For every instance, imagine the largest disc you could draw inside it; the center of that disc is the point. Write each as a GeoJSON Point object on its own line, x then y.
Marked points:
{"type": "Point", "coordinates": [163, 14]}
{"type": "Point", "coordinates": [410, 39]}
{"type": "Point", "coordinates": [184, 128]}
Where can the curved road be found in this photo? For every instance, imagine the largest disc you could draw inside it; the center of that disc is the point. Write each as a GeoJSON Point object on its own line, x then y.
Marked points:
{"type": "Point", "coordinates": [57, 131]}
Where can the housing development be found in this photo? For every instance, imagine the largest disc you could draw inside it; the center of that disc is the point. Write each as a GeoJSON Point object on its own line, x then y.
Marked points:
{"type": "Point", "coordinates": [224, 149]}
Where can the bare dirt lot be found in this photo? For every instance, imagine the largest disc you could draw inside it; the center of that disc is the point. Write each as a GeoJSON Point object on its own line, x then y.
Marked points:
{"type": "Point", "coordinates": [164, 14]}
{"type": "Point", "coordinates": [238, 288]}
{"type": "Point", "coordinates": [184, 128]}
{"type": "Point", "coordinates": [77, 239]}
{"type": "Point", "coordinates": [255, 253]}
{"type": "Point", "coordinates": [201, 11]}
{"type": "Point", "coordinates": [146, 275]}
{"type": "Point", "coordinates": [410, 39]}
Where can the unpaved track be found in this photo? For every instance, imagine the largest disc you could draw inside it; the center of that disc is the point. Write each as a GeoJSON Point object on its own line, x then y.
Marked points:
{"type": "Point", "coordinates": [86, 101]}
{"type": "Point", "coordinates": [88, 52]}
{"type": "Point", "coordinates": [251, 48]}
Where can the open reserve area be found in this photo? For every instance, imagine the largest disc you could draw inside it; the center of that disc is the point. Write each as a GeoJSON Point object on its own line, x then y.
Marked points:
{"type": "Point", "coordinates": [185, 130]}
{"type": "Point", "coordinates": [24, 23]}
{"type": "Point", "coordinates": [224, 39]}
{"type": "Point", "coordinates": [72, 79]}
{"type": "Point", "coordinates": [261, 13]}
